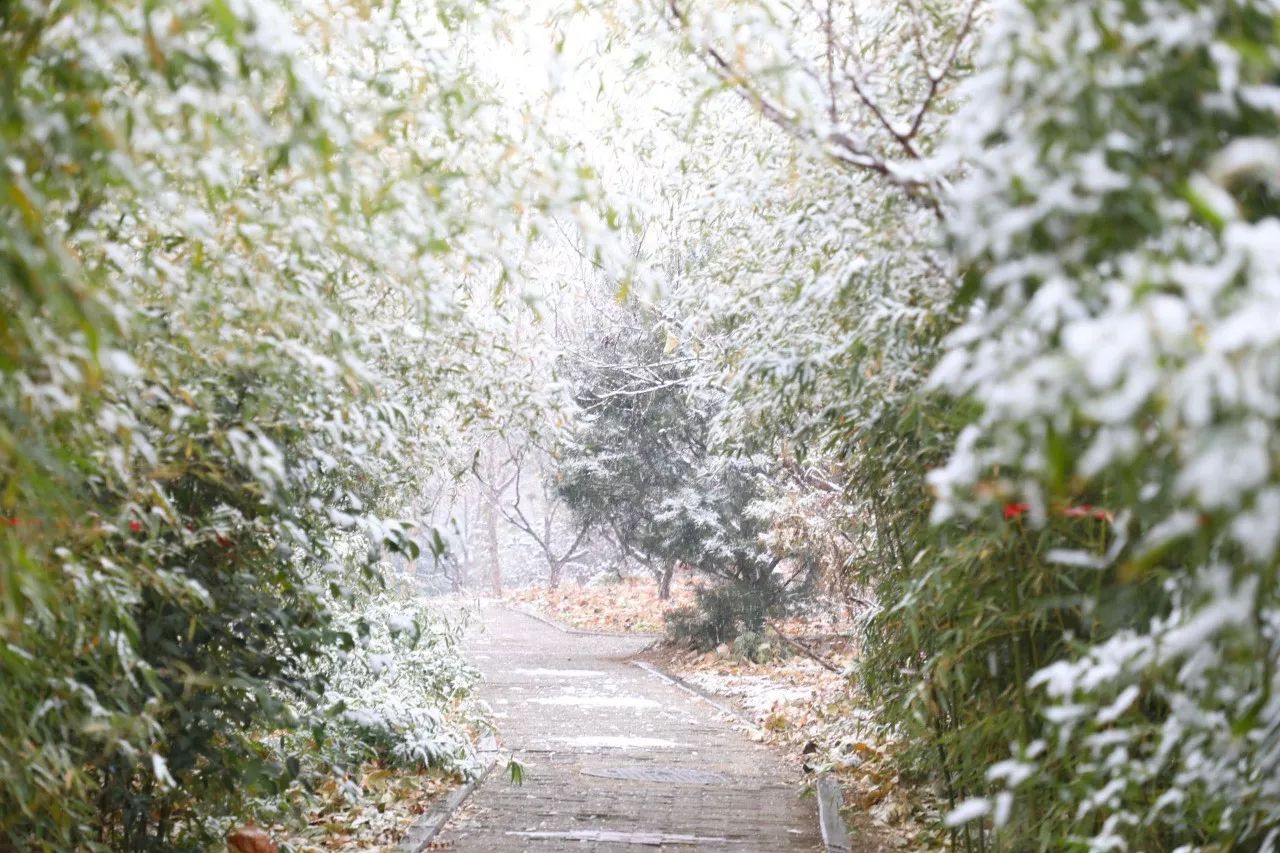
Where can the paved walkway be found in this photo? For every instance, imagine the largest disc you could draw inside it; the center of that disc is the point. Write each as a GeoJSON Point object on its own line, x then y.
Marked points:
{"type": "Point", "coordinates": [615, 758]}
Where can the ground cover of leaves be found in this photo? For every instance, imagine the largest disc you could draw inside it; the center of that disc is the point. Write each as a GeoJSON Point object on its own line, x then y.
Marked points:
{"type": "Point", "coordinates": [627, 605]}
{"type": "Point", "coordinates": [372, 810]}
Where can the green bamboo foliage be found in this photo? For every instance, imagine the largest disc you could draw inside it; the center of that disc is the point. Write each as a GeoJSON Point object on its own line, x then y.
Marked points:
{"type": "Point", "coordinates": [218, 280]}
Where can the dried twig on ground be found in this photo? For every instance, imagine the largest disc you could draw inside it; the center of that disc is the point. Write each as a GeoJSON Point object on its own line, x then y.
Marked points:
{"type": "Point", "coordinates": [803, 649]}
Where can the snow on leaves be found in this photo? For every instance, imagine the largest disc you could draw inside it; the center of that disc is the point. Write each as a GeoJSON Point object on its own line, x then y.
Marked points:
{"type": "Point", "coordinates": [1121, 223]}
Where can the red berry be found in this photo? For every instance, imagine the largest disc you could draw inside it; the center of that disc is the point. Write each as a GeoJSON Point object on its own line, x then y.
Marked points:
{"type": "Point", "coordinates": [1012, 510]}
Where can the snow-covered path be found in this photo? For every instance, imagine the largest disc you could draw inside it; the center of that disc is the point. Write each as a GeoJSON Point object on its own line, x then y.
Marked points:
{"type": "Point", "coordinates": [616, 758]}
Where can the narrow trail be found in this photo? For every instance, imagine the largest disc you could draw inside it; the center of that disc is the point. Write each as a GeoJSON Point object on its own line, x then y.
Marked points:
{"type": "Point", "coordinates": [616, 758]}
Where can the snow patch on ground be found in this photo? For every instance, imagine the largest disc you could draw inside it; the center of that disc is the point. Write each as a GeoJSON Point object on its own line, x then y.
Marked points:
{"type": "Point", "coordinates": [620, 742]}
{"type": "Point", "coordinates": [598, 701]}
{"type": "Point", "coordinates": [759, 694]}
{"type": "Point", "coordinates": [561, 673]}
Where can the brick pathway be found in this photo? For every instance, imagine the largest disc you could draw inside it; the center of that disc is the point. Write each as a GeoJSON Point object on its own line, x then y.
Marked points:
{"type": "Point", "coordinates": [577, 715]}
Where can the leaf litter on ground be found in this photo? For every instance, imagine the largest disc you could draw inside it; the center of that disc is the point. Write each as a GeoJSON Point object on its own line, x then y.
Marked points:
{"type": "Point", "coordinates": [630, 605]}
{"type": "Point", "coordinates": [371, 810]}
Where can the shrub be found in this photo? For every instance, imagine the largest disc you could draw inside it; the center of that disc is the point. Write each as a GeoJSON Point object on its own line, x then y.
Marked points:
{"type": "Point", "coordinates": [722, 613]}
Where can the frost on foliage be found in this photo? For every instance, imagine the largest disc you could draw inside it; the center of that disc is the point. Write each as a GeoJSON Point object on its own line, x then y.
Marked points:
{"type": "Point", "coordinates": [794, 259]}
{"type": "Point", "coordinates": [405, 690]}
{"type": "Point", "coordinates": [1120, 220]}
{"type": "Point", "coordinates": [238, 242]}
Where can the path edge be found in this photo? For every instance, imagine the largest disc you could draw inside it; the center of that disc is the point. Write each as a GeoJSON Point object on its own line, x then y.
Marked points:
{"type": "Point", "coordinates": [835, 835]}
{"type": "Point", "coordinates": [565, 629]}
{"type": "Point", "coordinates": [709, 698]}
{"type": "Point", "coordinates": [429, 824]}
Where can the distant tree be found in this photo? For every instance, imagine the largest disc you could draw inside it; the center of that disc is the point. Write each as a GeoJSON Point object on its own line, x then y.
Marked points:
{"type": "Point", "coordinates": [519, 489]}
{"type": "Point", "coordinates": [640, 464]}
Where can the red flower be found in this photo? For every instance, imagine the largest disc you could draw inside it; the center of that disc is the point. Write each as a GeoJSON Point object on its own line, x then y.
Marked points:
{"type": "Point", "coordinates": [135, 526]}
{"type": "Point", "coordinates": [1015, 510]}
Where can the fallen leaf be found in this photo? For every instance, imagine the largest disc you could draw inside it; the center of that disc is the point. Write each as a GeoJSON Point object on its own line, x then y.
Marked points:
{"type": "Point", "coordinates": [251, 839]}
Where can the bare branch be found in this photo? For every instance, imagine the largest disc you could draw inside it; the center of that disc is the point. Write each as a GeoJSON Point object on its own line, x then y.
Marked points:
{"type": "Point", "coordinates": [838, 145]}
{"type": "Point", "coordinates": [936, 78]}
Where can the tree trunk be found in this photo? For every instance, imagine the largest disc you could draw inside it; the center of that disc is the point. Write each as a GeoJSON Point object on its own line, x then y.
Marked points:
{"type": "Point", "coordinates": [553, 577]}
{"type": "Point", "coordinates": [466, 547]}
{"type": "Point", "coordinates": [491, 525]}
{"type": "Point", "coordinates": [664, 585]}
{"type": "Point", "coordinates": [495, 563]}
